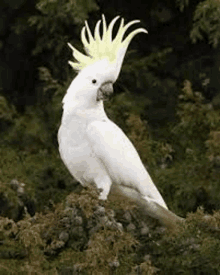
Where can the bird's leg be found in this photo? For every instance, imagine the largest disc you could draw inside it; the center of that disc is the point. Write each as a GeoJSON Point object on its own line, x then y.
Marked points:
{"type": "Point", "coordinates": [103, 183]}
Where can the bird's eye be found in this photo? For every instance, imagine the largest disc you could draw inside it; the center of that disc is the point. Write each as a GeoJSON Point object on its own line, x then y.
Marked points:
{"type": "Point", "coordinates": [94, 81]}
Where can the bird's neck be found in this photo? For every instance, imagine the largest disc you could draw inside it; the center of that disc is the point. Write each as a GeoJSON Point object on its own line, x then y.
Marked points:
{"type": "Point", "coordinates": [79, 111]}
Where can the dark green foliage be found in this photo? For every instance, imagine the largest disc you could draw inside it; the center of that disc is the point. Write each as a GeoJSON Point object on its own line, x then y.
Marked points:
{"type": "Point", "coordinates": [197, 119]}
{"type": "Point", "coordinates": [54, 23]}
{"type": "Point", "coordinates": [207, 22]}
{"type": "Point", "coordinates": [39, 240]}
{"type": "Point", "coordinates": [182, 4]}
{"type": "Point", "coordinates": [46, 244]}
{"type": "Point", "coordinates": [193, 249]}
{"type": "Point", "coordinates": [7, 112]}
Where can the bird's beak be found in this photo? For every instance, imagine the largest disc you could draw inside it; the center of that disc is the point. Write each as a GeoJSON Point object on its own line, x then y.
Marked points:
{"type": "Point", "coordinates": [105, 91]}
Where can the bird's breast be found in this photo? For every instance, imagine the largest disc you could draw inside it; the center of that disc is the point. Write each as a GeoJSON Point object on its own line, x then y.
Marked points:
{"type": "Point", "coordinates": [72, 132]}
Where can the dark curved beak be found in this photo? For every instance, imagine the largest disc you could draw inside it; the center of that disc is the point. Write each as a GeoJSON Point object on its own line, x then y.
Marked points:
{"type": "Point", "coordinates": [105, 91]}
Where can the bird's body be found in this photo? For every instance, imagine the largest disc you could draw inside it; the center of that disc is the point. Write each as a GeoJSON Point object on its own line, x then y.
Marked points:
{"type": "Point", "coordinates": [94, 149]}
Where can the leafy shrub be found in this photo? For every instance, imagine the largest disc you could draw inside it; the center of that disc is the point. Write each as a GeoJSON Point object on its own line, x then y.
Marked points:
{"type": "Point", "coordinates": [207, 22]}
{"type": "Point", "coordinates": [197, 119]}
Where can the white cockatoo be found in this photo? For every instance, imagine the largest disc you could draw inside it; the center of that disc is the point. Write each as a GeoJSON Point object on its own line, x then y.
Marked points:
{"type": "Point", "coordinates": [93, 148]}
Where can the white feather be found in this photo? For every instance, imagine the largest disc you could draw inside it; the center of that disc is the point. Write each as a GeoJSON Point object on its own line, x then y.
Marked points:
{"type": "Point", "coordinates": [96, 151]}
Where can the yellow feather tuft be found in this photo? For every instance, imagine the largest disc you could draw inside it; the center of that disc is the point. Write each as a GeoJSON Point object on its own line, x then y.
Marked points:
{"type": "Point", "coordinates": [98, 48]}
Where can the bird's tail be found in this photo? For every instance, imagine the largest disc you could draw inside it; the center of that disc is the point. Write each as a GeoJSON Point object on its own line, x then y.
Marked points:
{"type": "Point", "coordinates": [165, 216]}
{"type": "Point", "coordinates": [151, 207]}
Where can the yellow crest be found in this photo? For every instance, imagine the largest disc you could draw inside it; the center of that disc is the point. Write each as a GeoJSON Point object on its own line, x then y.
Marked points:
{"type": "Point", "coordinates": [98, 48]}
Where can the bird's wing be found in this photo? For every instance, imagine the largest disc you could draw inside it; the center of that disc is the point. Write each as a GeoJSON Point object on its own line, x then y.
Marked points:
{"type": "Point", "coordinates": [112, 147]}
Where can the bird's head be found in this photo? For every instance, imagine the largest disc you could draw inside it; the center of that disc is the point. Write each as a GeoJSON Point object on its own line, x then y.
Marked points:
{"type": "Point", "coordinates": [102, 63]}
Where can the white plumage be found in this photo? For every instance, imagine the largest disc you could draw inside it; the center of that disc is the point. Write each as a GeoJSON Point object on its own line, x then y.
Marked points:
{"type": "Point", "coordinates": [93, 148]}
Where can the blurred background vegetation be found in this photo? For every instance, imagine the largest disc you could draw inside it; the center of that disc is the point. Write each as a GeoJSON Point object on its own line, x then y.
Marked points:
{"type": "Point", "coordinates": [166, 99]}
